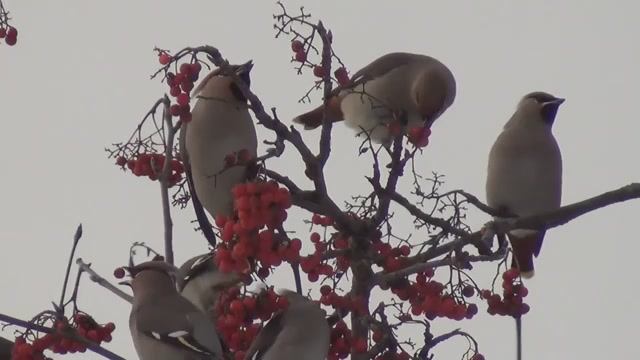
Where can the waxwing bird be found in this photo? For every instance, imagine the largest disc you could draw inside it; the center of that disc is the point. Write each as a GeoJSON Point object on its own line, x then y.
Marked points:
{"type": "Point", "coordinates": [220, 125]}
{"type": "Point", "coordinates": [524, 175]}
{"type": "Point", "coordinates": [299, 332]}
{"type": "Point", "coordinates": [200, 281]}
{"type": "Point", "coordinates": [165, 325]}
{"type": "Point", "coordinates": [418, 87]}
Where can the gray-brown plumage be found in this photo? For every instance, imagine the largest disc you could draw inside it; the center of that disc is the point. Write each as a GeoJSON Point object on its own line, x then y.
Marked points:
{"type": "Point", "coordinates": [524, 175]}
{"type": "Point", "coordinates": [299, 332]}
{"type": "Point", "coordinates": [220, 125]}
{"type": "Point", "coordinates": [200, 281]}
{"type": "Point", "coordinates": [165, 325]}
{"type": "Point", "coordinates": [417, 87]}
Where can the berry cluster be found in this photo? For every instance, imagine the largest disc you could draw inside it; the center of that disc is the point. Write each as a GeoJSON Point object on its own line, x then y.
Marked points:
{"type": "Point", "coordinates": [9, 34]}
{"type": "Point", "coordinates": [236, 315]}
{"type": "Point", "coordinates": [313, 265]}
{"type": "Point", "coordinates": [427, 297]}
{"type": "Point", "coordinates": [180, 85]}
{"type": "Point", "coordinates": [345, 303]}
{"type": "Point", "coordinates": [513, 292]}
{"type": "Point", "coordinates": [300, 55]}
{"type": "Point", "coordinates": [390, 258]}
{"type": "Point", "coordinates": [83, 325]}
{"type": "Point", "coordinates": [151, 165]}
{"type": "Point", "coordinates": [342, 342]}
{"type": "Point", "coordinates": [258, 204]}
{"type": "Point", "coordinates": [419, 136]}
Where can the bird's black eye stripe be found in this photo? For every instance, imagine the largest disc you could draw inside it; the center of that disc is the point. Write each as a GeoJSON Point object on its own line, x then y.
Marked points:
{"type": "Point", "coordinates": [235, 90]}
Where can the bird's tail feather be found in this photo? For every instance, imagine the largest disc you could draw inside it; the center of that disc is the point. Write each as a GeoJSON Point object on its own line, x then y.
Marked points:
{"type": "Point", "coordinates": [312, 119]}
{"type": "Point", "coordinates": [523, 251]}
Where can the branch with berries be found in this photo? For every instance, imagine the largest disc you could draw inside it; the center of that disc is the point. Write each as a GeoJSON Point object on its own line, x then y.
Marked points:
{"type": "Point", "coordinates": [58, 331]}
{"type": "Point", "coordinates": [8, 33]}
{"type": "Point", "coordinates": [355, 251]}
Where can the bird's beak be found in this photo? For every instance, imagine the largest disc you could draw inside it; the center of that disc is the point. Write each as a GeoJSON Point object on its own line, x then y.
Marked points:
{"type": "Point", "coordinates": [245, 68]}
{"type": "Point", "coordinates": [556, 102]}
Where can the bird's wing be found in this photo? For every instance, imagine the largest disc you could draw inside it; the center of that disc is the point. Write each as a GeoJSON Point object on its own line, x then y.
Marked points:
{"type": "Point", "coordinates": [203, 221]}
{"type": "Point", "coordinates": [173, 327]}
{"type": "Point", "coordinates": [193, 267]}
{"type": "Point", "coordinates": [382, 66]}
{"type": "Point", "coordinates": [265, 338]}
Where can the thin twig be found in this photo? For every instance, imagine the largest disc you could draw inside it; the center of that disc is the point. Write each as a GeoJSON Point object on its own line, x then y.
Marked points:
{"type": "Point", "coordinates": [95, 277]}
{"type": "Point", "coordinates": [164, 182]}
{"type": "Point", "coordinates": [76, 239]}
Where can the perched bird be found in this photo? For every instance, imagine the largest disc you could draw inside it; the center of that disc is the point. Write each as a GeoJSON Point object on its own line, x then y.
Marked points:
{"type": "Point", "coordinates": [417, 87]}
{"type": "Point", "coordinates": [165, 325]}
{"type": "Point", "coordinates": [299, 332]}
{"type": "Point", "coordinates": [220, 125]}
{"type": "Point", "coordinates": [200, 281]}
{"type": "Point", "coordinates": [524, 175]}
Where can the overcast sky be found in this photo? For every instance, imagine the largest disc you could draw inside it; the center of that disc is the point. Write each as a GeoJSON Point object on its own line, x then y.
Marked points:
{"type": "Point", "coordinates": [78, 80]}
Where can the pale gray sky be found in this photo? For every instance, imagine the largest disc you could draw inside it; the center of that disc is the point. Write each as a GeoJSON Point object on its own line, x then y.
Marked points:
{"type": "Point", "coordinates": [78, 80]}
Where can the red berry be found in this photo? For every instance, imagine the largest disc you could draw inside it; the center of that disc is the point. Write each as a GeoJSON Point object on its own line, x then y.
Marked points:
{"type": "Point", "coordinates": [185, 118]}
{"type": "Point", "coordinates": [109, 327]}
{"type": "Point", "coordinates": [196, 67]}
{"type": "Point", "coordinates": [313, 276]}
{"type": "Point", "coordinates": [301, 56]}
{"type": "Point", "coordinates": [419, 136]}
{"type": "Point", "coordinates": [11, 40]}
{"type": "Point", "coordinates": [118, 273]}
{"type": "Point", "coordinates": [186, 86]}
{"type": "Point", "coordinates": [315, 237]}
{"type": "Point", "coordinates": [164, 58]}
{"type": "Point", "coordinates": [297, 46]}
{"type": "Point", "coordinates": [342, 76]}
{"type": "Point", "coordinates": [237, 308]}
{"type": "Point", "coordinates": [121, 161]}
{"type": "Point", "coordinates": [220, 220]}
{"type": "Point", "coordinates": [319, 71]}
{"type": "Point", "coordinates": [316, 219]}
{"type": "Point", "coordinates": [325, 290]}
{"type": "Point", "coordinates": [296, 245]}
{"type": "Point", "coordinates": [175, 110]}
{"type": "Point", "coordinates": [405, 250]}
{"type": "Point", "coordinates": [468, 291]}
{"type": "Point", "coordinates": [472, 309]}
{"type": "Point", "coordinates": [511, 274]}
{"type": "Point", "coordinates": [185, 69]}
{"type": "Point", "coordinates": [477, 356]}
{"type": "Point", "coordinates": [12, 35]}
{"type": "Point", "coordinates": [183, 99]}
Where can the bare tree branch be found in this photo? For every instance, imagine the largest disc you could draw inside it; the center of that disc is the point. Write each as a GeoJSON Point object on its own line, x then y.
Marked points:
{"type": "Point", "coordinates": [95, 277]}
